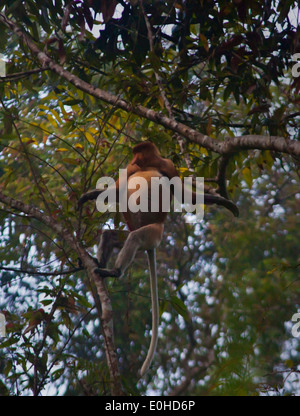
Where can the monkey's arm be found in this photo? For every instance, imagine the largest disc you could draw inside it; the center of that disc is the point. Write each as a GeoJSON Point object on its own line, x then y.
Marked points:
{"type": "Point", "coordinates": [168, 169]}
{"type": "Point", "coordinates": [88, 196]}
{"type": "Point", "coordinates": [91, 195]}
{"type": "Point", "coordinates": [219, 200]}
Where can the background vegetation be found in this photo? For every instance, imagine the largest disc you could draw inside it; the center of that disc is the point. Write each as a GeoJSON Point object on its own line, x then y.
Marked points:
{"type": "Point", "coordinates": [228, 287]}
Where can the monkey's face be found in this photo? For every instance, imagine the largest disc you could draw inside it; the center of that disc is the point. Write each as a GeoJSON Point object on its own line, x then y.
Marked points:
{"type": "Point", "coordinates": [144, 154]}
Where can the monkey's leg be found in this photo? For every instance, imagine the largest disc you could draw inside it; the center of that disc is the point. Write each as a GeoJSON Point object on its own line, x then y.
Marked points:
{"type": "Point", "coordinates": [145, 238]}
{"type": "Point", "coordinates": [109, 240]}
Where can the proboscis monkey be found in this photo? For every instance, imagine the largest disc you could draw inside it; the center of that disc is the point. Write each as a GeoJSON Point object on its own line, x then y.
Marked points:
{"type": "Point", "coordinates": [145, 228]}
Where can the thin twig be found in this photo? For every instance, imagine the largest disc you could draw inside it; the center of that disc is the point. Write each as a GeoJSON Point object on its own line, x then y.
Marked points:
{"type": "Point", "coordinates": [34, 272]}
{"type": "Point", "coordinates": [20, 75]}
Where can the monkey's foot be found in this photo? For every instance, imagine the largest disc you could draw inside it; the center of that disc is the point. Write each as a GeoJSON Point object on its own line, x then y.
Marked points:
{"type": "Point", "coordinates": [108, 272]}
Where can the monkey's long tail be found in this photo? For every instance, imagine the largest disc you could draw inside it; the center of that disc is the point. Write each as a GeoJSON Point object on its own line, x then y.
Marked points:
{"type": "Point", "coordinates": [155, 317]}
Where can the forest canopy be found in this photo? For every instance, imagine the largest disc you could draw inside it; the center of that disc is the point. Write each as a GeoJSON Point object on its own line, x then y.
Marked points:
{"type": "Point", "coordinates": [214, 84]}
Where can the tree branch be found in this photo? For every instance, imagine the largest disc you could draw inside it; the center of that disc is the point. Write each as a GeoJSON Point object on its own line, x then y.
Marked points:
{"type": "Point", "coordinates": [20, 75]}
{"type": "Point", "coordinates": [89, 265]}
{"type": "Point", "coordinates": [36, 273]}
{"type": "Point", "coordinates": [230, 145]}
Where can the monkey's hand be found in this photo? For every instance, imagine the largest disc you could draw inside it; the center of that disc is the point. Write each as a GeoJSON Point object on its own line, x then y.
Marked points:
{"type": "Point", "coordinates": [80, 264]}
{"type": "Point", "coordinates": [219, 200]}
{"type": "Point", "coordinates": [88, 196]}
{"type": "Point", "coordinates": [108, 272]}
{"type": "Point", "coordinates": [231, 206]}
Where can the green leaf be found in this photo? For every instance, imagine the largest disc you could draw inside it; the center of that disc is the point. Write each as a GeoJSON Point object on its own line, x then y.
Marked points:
{"type": "Point", "coordinates": [227, 92]}
{"type": "Point", "coordinates": [9, 342]}
{"type": "Point", "coordinates": [57, 374]}
{"type": "Point", "coordinates": [71, 161]}
{"type": "Point", "coordinates": [90, 138]}
{"type": "Point", "coordinates": [46, 302]}
{"type": "Point", "coordinates": [179, 306]}
{"type": "Point", "coordinates": [268, 159]}
{"type": "Point", "coordinates": [163, 304]}
{"type": "Point", "coordinates": [72, 103]}
{"type": "Point", "coordinates": [8, 367]}
{"type": "Point", "coordinates": [247, 176]}
{"type": "Point", "coordinates": [82, 299]}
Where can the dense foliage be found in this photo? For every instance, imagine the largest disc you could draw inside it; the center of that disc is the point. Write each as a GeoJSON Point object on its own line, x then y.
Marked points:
{"type": "Point", "coordinates": [228, 287]}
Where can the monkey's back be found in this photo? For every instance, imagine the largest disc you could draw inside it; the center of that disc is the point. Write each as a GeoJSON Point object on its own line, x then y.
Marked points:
{"type": "Point", "coordinates": [143, 206]}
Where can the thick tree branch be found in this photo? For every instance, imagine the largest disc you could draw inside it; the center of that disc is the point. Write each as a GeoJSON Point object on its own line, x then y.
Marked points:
{"type": "Point", "coordinates": [275, 143]}
{"type": "Point", "coordinates": [89, 265]}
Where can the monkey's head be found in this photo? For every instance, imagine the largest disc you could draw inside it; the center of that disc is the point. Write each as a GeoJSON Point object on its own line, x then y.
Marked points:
{"type": "Point", "coordinates": [144, 154]}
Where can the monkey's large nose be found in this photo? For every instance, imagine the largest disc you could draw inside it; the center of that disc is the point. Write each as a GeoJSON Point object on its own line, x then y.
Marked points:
{"type": "Point", "coordinates": [134, 160]}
